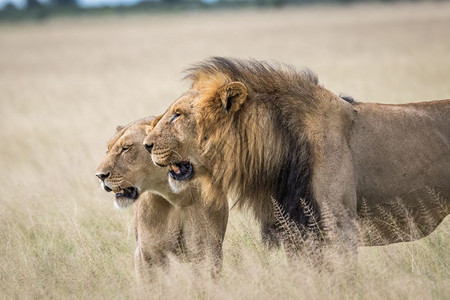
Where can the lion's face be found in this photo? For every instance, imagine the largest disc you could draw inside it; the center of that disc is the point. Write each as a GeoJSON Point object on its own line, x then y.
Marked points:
{"type": "Point", "coordinates": [127, 169]}
{"type": "Point", "coordinates": [176, 145]}
{"type": "Point", "coordinates": [178, 139]}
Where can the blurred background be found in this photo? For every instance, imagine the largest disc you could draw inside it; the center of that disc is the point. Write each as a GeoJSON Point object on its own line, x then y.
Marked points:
{"type": "Point", "coordinates": [43, 9]}
{"type": "Point", "coordinates": [71, 71]}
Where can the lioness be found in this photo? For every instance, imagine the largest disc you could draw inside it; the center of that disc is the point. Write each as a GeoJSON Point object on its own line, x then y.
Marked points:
{"type": "Point", "coordinates": [180, 223]}
{"type": "Point", "coordinates": [262, 130]}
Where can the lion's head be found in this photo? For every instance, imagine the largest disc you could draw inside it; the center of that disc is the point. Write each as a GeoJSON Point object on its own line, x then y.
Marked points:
{"type": "Point", "coordinates": [180, 142]}
{"type": "Point", "coordinates": [127, 170]}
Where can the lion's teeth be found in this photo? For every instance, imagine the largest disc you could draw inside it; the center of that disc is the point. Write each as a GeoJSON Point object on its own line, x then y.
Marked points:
{"type": "Point", "coordinates": [175, 169]}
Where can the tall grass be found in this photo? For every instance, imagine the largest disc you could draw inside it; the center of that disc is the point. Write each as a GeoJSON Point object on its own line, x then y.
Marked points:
{"type": "Point", "coordinates": [66, 84]}
{"type": "Point", "coordinates": [77, 248]}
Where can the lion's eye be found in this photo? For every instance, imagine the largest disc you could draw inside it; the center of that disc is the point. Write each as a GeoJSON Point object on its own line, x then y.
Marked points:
{"type": "Point", "coordinates": [175, 116]}
{"type": "Point", "coordinates": [124, 149]}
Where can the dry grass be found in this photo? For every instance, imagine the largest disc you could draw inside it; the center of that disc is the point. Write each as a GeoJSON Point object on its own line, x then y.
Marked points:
{"type": "Point", "coordinates": [66, 84]}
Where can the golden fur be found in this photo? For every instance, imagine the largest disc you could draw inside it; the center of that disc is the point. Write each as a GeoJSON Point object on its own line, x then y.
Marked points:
{"type": "Point", "coordinates": [258, 130]}
{"type": "Point", "coordinates": [165, 222]}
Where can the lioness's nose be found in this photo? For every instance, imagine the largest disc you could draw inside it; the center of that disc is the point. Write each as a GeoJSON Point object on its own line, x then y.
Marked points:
{"type": "Point", "coordinates": [149, 147]}
{"type": "Point", "coordinates": [103, 176]}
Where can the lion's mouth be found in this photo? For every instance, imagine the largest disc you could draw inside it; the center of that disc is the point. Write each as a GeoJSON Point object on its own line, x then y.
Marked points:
{"type": "Point", "coordinates": [181, 171]}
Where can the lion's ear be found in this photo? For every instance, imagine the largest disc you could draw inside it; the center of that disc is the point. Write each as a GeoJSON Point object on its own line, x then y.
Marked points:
{"type": "Point", "coordinates": [119, 128]}
{"type": "Point", "coordinates": [232, 96]}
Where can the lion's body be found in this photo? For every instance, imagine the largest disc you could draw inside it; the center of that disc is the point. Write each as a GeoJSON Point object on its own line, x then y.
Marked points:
{"type": "Point", "coordinates": [401, 155]}
{"type": "Point", "coordinates": [166, 223]}
{"type": "Point", "coordinates": [263, 131]}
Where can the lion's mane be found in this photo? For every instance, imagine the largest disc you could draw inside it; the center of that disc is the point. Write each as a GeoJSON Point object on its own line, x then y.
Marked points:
{"type": "Point", "coordinates": [265, 144]}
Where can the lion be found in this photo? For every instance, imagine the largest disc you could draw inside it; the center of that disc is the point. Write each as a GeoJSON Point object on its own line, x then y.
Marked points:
{"type": "Point", "coordinates": [181, 223]}
{"type": "Point", "coordinates": [264, 131]}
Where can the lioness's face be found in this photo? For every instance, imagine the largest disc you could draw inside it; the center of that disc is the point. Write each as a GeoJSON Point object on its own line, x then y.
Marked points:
{"type": "Point", "coordinates": [127, 169]}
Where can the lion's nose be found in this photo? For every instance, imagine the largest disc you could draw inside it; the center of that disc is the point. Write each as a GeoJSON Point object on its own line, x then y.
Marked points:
{"type": "Point", "coordinates": [103, 176]}
{"type": "Point", "coordinates": [149, 147]}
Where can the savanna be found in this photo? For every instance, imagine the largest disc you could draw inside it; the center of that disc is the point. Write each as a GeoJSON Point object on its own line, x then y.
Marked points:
{"type": "Point", "coordinates": [66, 84]}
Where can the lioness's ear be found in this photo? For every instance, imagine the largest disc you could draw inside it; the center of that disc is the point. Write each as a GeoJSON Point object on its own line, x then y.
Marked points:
{"type": "Point", "coordinates": [152, 125]}
{"type": "Point", "coordinates": [119, 128]}
{"type": "Point", "coordinates": [232, 96]}
{"type": "Point", "coordinates": [156, 120]}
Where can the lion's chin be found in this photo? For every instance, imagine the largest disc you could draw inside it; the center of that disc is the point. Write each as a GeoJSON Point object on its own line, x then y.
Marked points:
{"type": "Point", "coordinates": [177, 186]}
{"type": "Point", "coordinates": [181, 171]}
{"type": "Point", "coordinates": [126, 197]}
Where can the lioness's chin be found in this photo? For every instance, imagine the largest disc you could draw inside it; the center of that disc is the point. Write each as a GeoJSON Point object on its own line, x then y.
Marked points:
{"type": "Point", "coordinates": [181, 171]}
{"type": "Point", "coordinates": [123, 202]}
{"type": "Point", "coordinates": [126, 197]}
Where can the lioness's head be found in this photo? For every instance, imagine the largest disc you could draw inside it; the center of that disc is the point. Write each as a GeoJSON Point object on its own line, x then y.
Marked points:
{"type": "Point", "coordinates": [127, 169]}
{"type": "Point", "coordinates": [179, 138]}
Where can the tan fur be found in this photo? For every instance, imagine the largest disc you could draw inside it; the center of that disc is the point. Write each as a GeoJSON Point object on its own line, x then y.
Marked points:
{"type": "Point", "coordinates": [401, 156]}
{"type": "Point", "coordinates": [279, 133]}
{"type": "Point", "coordinates": [165, 222]}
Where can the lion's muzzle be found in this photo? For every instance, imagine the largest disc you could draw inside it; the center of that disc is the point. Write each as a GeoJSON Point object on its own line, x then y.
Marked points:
{"type": "Point", "coordinates": [149, 148]}
{"type": "Point", "coordinates": [178, 169]}
{"type": "Point", "coordinates": [161, 157]}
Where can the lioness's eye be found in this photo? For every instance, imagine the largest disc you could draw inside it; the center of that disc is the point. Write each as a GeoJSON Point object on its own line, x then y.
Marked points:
{"type": "Point", "coordinates": [124, 149]}
{"type": "Point", "coordinates": [175, 116]}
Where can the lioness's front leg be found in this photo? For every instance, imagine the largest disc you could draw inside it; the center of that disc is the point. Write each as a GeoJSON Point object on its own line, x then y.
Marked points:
{"type": "Point", "coordinates": [143, 265]}
{"type": "Point", "coordinates": [156, 235]}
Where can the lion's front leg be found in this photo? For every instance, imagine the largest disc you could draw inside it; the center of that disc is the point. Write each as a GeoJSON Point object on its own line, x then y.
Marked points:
{"type": "Point", "coordinates": [217, 260]}
{"type": "Point", "coordinates": [270, 234]}
{"type": "Point", "coordinates": [334, 187]}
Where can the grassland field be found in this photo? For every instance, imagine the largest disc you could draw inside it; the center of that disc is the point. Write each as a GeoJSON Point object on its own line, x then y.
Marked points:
{"type": "Point", "coordinates": [66, 83]}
